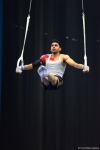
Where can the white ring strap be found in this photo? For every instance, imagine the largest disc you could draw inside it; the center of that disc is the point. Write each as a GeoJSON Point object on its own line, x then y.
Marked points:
{"type": "Point", "coordinates": [84, 34]}
{"type": "Point", "coordinates": [20, 61]}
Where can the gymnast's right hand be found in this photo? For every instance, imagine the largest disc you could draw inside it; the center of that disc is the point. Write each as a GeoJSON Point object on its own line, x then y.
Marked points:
{"type": "Point", "coordinates": [19, 69]}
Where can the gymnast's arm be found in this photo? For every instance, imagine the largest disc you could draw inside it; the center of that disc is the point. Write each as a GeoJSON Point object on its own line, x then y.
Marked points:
{"type": "Point", "coordinates": [74, 64]}
{"type": "Point", "coordinates": [30, 66]}
{"type": "Point", "coordinates": [35, 64]}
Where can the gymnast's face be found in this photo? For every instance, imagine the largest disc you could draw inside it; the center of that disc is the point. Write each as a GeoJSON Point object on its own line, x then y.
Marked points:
{"type": "Point", "coordinates": [55, 47]}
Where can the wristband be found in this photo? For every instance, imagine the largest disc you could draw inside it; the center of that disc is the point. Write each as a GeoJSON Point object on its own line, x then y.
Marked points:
{"type": "Point", "coordinates": [83, 67]}
{"type": "Point", "coordinates": [22, 67]}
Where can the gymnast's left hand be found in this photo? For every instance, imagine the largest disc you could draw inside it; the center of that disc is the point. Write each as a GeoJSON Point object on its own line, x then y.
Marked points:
{"type": "Point", "coordinates": [86, 69]}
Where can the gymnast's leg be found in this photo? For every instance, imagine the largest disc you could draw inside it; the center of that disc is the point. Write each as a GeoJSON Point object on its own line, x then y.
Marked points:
{"type": "Point", "coordinates": [50, 78]}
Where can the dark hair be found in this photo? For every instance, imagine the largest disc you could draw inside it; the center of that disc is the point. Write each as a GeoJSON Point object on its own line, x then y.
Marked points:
{"type": "Point", "coordinates": [57, 41]}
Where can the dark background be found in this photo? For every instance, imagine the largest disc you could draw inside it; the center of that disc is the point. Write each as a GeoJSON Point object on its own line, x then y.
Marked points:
{"type": "Point", "coordinates": [35, 119]}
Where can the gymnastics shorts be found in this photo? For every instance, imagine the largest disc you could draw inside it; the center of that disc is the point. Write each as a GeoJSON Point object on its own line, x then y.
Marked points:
{"type": "Point", "coordinates": [56, 86]}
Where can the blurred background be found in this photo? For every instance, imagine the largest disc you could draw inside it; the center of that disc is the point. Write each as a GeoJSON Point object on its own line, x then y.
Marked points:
{"type": "Point", "coordinates": [35, 119]}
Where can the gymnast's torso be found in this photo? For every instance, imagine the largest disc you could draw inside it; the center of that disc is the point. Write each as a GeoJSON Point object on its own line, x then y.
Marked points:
{"type": "Point", "coordinates": [57, 66]}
